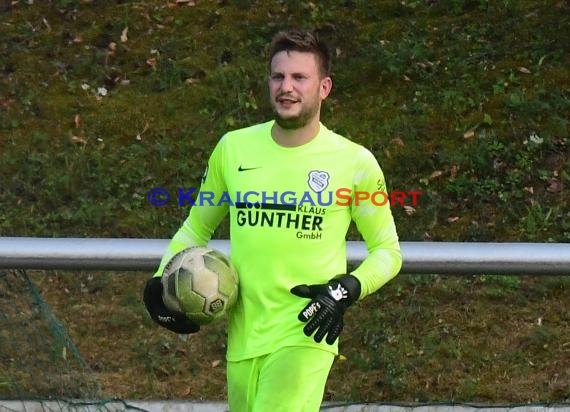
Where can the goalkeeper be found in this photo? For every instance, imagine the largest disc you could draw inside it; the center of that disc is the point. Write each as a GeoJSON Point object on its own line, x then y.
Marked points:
{"type": "Point", "coordinates": [294, 286]}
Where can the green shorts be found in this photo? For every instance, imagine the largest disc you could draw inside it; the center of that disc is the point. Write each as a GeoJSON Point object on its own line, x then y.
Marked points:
{"type": "Point", "coordinates": [291, 379]}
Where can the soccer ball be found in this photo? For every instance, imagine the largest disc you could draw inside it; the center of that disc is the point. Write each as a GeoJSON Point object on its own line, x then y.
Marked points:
{"type": "Point", "coordinates": [200, 282]}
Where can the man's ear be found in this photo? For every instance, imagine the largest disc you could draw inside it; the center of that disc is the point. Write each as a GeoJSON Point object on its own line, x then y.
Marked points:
{"type": "Point", "coordinates": [326, 87]}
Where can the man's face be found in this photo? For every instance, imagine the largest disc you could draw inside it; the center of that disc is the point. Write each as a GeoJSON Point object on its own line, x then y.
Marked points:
{"type": "Point", "coordinates": [296, 89]}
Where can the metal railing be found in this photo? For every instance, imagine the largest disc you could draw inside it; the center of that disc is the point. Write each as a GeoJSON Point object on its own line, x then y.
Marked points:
{"type": "Point", "coordinates": [458, 258]}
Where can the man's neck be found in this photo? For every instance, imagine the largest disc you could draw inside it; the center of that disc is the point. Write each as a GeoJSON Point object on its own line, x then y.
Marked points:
{"type": "Point", "coordinates": [295, 137]}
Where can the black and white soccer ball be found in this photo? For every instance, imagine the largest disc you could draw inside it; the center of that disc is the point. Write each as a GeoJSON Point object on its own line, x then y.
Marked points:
{"type": "Point", "coordinates": [200, 282]}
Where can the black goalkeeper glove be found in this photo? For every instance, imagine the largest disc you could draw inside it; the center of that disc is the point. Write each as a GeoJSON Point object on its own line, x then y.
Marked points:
{"type": "Point", "coordinates": [329, 301]}
{"type": "Point", "coordinates": [175, 321]}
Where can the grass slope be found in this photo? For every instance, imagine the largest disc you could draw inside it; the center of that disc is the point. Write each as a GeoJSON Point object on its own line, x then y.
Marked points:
{"type": "Point", "coordinates": [428, 338]}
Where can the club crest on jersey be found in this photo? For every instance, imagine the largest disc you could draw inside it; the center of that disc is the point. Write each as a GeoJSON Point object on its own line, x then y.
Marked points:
{"type": "Point", "coordinates": [318, 180]}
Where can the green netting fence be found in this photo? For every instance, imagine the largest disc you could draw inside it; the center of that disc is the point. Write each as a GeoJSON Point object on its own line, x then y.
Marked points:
{"type": "Point", "coordinates": [38, 360]}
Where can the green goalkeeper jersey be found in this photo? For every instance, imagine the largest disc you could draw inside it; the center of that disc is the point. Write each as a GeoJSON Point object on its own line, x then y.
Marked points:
{"type": "Point", "coordinates": [289, 215]}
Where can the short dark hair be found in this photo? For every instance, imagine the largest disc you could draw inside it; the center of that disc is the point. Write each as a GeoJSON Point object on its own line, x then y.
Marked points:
{"type": "Point", "coordinates": [302, 41]}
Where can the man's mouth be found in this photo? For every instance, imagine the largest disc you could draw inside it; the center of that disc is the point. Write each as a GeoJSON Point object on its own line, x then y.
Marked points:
{"type": "Point", "coordinates": [287, 100]}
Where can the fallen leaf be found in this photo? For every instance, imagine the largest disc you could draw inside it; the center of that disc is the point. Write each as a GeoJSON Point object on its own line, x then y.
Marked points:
{"type": "Point", "coordinates": [524, 70]}
{"type": "Point", "coordinates": [409, 210]}
{"type": "Point", "coordinates": [78, 140]}
{"type": "Point", "coordinates": [554, 185]}
{"type": "Point", "coordinates": [536, 139]}
{"type": "Point", "coordinates": [398, 142]}
{"type": "Point", "coordinates": [454, 170]}
{"type": "Point", "coordinates": [5, 103]}
{"type": "Point", "coordinates": [187, 391]}
{"type": "Point", "coordinates": [435, 174]}
{"type": "Point", "coordinates": [124, 37]}
{"type": "Point", "coordinates": [48, 27]}
{"type": "Point", "coordinates": [216, 363]}
{"type": "Point", "coordinates": [146, 126]}
{"type": "Point", "coordinates": [151, 62]}
{"type": "Point", "coordinates": [406, 78]}
{"type": "Point", "coordinates": [191, 81]}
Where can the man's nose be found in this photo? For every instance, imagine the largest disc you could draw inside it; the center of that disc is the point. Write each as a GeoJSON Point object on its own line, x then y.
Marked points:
{"type": "Point", "coordinates": [287, 84]}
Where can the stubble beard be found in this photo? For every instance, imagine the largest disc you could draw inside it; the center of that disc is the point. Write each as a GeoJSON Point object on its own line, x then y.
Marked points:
{"type": "Point", "coordinates": [295, 122]}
